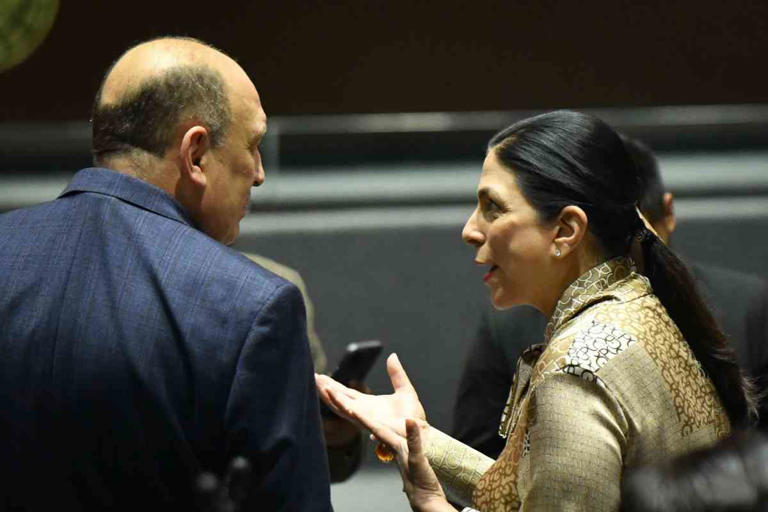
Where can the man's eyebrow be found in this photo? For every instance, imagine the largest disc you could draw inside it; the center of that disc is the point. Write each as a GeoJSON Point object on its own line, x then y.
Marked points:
{"type": "Point", "coordinates": [259, 136]}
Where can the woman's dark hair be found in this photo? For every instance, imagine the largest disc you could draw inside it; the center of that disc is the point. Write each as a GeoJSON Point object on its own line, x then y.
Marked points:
{"type": "Point", "coordinates": [729, 477]}
{"type": "Point", "coordinates": [568, 158]}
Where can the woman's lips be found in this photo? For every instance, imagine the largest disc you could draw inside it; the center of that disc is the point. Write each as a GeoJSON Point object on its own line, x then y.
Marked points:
{"type": "Point", "coordinates": [489, 274]}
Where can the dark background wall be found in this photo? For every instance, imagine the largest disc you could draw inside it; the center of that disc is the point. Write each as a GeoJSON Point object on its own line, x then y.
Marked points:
{"type": "Point", "coordinates": [325, 56]}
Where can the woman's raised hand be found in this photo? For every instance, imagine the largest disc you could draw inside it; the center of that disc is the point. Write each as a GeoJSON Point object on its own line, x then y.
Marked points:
{"type": "Point", "coordinates": [398, 420]}
{"type": "Point", "coordinates": [375, 411]}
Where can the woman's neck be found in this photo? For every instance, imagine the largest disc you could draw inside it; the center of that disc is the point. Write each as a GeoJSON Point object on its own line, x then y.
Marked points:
{"type": "Point", "coordinates": [570, 269]}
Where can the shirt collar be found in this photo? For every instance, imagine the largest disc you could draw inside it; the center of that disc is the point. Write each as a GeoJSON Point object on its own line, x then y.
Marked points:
{"type": "Point", "coordinates": [129, 189]}
{"type": "Point", "coordinates": [596, 285]}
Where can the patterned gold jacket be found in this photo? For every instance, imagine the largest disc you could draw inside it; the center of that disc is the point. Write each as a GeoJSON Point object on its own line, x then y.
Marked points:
{"type": "Point", "coordinates": [614, 385]}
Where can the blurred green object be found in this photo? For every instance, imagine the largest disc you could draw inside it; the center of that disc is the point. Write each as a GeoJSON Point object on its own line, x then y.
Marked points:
{"type": "Point", "coordinates": [23, 26]}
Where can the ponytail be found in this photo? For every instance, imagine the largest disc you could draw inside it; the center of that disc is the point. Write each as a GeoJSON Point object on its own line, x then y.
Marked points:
{"type": "Point", "coordinates": [674, 285]}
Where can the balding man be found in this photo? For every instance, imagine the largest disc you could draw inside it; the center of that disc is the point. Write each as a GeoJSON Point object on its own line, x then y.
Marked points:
{"type": "Point", "coordinates": [136, 348]}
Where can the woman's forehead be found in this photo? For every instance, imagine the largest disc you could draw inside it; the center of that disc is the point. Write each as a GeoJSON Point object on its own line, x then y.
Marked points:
{"type": "Point", "coordinates": [496, 174]}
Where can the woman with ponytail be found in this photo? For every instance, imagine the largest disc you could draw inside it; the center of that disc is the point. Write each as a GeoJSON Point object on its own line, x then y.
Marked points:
{"type": "Point", "coordinates": [633, 369]}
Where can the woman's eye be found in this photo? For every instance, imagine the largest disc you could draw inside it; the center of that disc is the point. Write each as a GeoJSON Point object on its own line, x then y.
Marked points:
{"type": "Point", "coordinates": [492, 209]}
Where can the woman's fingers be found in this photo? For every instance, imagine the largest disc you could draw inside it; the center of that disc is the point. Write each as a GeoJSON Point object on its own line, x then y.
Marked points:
{"type": "Point", "coordinates": [413, 436]}
{"type": "Point", "coordinates": [388, 436]}
{"type": "Point", "coordinates": [341, 405]}
{"type": "Point", "coordinates": [323, 381]}
{"type": "Point", "coordinates": [423, 486]}
{"type": "Point", "coordinates": [326, 397]}
{"type": "Point", "coordinates": [397, 375]}
{"type": "Point", "coordinates": [322, 386]}
{"type": "Point", "coordinates": [418, 466]}
{"type": "Point", "coordinates": [325, 386]}
{"type": "Point", "coordinates": [379, 430]}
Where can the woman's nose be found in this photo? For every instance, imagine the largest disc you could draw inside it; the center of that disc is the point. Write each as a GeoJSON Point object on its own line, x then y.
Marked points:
{"type": "Point", "coordinates": [471, 234]}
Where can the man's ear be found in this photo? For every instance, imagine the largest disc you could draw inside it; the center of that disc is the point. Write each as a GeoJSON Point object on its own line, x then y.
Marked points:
{"type": "Point", "coordinates": [195, 142]}
{"type": "Point", "coordinates": [570, 228]}
{"type": "Point", "coordinates": [666, 224]}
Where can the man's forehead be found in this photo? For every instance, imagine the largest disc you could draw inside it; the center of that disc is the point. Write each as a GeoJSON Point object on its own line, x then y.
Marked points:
{"type": "Point", "coordinates": [255, 114]}
{"type": "Point", "coordinates": [255, 121]}
{"type": "Point", "coordinates": [152, 59]}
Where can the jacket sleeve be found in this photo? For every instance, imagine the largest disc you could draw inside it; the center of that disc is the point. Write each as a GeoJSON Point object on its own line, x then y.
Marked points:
{"type": "Point", "coordinates": [568, 468]}
{"type": "Point", "coordinates": [272, 415]}
{"type": "Point", "coordinates": [457, 466]}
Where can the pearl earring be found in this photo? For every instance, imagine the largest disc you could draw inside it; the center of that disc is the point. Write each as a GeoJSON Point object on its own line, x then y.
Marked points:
{"type": "Point", "coordinates": [557, 252]}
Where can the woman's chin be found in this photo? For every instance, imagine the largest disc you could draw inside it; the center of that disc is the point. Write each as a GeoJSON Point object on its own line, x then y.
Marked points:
{"type": "Point", "coordinates": [500, 301]}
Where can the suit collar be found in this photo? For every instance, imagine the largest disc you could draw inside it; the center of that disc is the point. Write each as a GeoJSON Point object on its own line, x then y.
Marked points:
{"type": "Point", "coordinates": [129, 189]}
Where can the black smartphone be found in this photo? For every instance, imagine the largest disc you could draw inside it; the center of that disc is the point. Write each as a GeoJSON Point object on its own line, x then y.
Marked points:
{"type": "Point", "coordinates": [357, 361]}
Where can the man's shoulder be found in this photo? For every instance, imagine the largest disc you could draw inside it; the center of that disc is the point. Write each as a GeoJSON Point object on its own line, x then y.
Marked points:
{"type": "Point", "coordinates": [21, 216]}
{"type": "Point", "coordinates": [227, 264]}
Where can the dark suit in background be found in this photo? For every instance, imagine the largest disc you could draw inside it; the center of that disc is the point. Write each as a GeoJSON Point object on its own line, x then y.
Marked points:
{"type": "Point", "coordinates": [738, 301]}
{"type": "Point", "coordinates": [135, 351]}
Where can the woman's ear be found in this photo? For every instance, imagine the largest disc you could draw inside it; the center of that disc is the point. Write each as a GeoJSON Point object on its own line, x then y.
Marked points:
{"type": "Point", "coordinates": [570, 228]}
{"type": "Point", "coordinates": [195, 142]}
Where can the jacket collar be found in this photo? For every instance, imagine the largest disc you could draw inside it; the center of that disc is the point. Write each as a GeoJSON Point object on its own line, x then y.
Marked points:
{"type": "Point", "coordinates": [615, 279]}
{"type": "Point", "coordinates": [604, 282]}
{"type": "Point", "coordinates": [129, 189]}
{"type": "Point", "coordinates": [520, 383]}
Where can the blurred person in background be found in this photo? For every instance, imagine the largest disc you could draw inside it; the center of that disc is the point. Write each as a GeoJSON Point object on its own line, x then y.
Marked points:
{"type": "Point", "coordinates": [635, 369]}
{"type": "Point", "coordinates": [738, 301]}
{"type": "Point", "coordinates": [137, 348]}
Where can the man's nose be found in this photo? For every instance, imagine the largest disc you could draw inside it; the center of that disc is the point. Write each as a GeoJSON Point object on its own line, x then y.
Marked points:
{"type": "Point", "coordinates": [261, 175]}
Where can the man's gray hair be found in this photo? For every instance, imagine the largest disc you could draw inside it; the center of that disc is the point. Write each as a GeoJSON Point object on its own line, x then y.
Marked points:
{"type": "Point", "coordinates": [145, 119]}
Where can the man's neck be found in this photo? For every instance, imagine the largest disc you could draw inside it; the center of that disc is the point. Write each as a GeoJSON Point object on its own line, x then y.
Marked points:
{"type": "Point", "coordinates": [151, 169]}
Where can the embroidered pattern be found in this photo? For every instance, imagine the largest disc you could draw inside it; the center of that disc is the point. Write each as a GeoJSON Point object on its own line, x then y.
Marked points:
{"type": "Point", "coordinates": [693, 394]}
{"type": "Point", "coordinates": [526, 443]}
{"type": "Point", "coordinates": [458, 467]}
{"type": "Point", "coordinates": [592, 348]}
{"type": "Point", "coordinates": [588, 289]}
{"type": "Point", "coordinates": [497, 489]}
